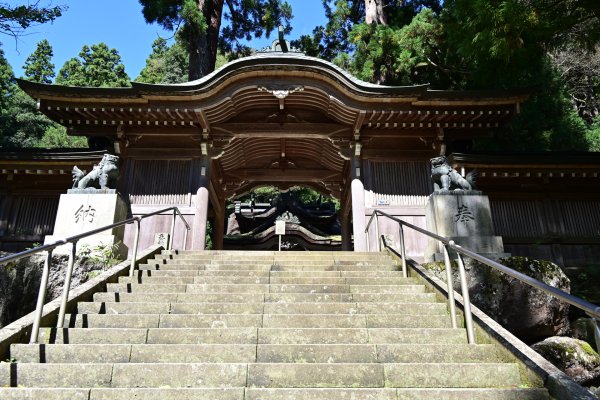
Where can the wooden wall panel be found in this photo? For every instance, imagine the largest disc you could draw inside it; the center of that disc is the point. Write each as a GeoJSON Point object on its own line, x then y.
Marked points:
{"type": "Point", "coordinates": [546, 218]}
{"type": "Point", "coordinates": [160, 182]}
{"type": "Point", "coordinates": [31, 216]}
{"type": "Point", "coordinates": [397, 178]}
{"type": "Point", "coordinates": [518, 218]}
{"type": "Point", "coordinates": [580, 218]}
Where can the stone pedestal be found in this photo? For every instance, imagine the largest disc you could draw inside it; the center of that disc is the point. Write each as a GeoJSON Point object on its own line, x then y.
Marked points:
{"type": "Point", "coordinates": [81, 210]}
{"type": "Point", "coordinates": [464, 218]}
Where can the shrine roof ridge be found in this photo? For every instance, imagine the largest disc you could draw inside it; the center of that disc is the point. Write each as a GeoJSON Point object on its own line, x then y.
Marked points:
{"type": "Point", "coordinates": [34, 154]}
{"type": "Point", "coordinates": [272, 61]}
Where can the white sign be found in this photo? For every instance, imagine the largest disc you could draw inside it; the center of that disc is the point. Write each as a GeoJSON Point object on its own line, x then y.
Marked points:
{"type": "Point", "coordinates": [280, 227]}
{"type": "Point", "coordinates": [383, 202]}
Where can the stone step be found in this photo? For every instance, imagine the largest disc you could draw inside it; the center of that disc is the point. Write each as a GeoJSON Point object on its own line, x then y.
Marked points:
{"type": "Point", "coordinates": [342, 280]}
{"type": "Point", "coordinates": [350, 297]}
{"type": "Point", "coordinates": [174, 280]}
{"type": "Point", "coordinates": [258, 308]}
{"type": "Point", "coordinates": [250, 334]}
{"type": "Point", "coordinates": [124, 375]}
{"type": "Point", "coordinates": [230, 279]}
{"type": "Point", "coordinates": [228, 335]}
{"type": "Point", "coordinates": [163, 320]}
{"type": "Point", "coordinates": [356, 353]}
{"type": "Point", "coordinates": [181, 297]}
{"type": "Point", "coordinates": [242, 254]}
{"type": "Point", "coordinates": [254, 320]}
{"type": "Point", "coordinates": [248, 353]}
{"type": "Point", "coordinates": [200, 272]}
{"type": "Point", "coordinates": [260, 297]}
{"type": "Point", "coordinates": [349, 321]}
{"type": "Point", "coordinates": [139, 353]}
{"type": "Point", "coordinates": [265, 267]}
{"type": "Point", "coordinates": [267, 375]}
{"type": "Point", "coordinates": [355, 308]}
{"type": "Point", "coordinates": [260, 288]}
{"type": "Point", "coordinates": [352, 267]}
{"type": "Point", "coordinates": [335, 274]}
{"type": "Point", "coordinates": [169, 308]}
{"type": "Point", "coordinates": [395, 394]}
{"type": "Point", "coordinates": [272, 274]}
{"type": "Point", "coordinates": [271, 394]}
{"type": "Point", "coordinates": [381, 375]}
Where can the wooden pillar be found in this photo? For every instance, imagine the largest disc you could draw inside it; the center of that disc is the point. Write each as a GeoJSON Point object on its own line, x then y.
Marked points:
{"type": "Point", "coordinates": [346, 231]}
{"type": "Point", "coordinates": [358, 203]}
{"type": "Point", "coordinates": [358, 215]}
{"type": "Point", "coordinates": [219, 227]}
{"type": "Point", "coordinates": [201, 205]}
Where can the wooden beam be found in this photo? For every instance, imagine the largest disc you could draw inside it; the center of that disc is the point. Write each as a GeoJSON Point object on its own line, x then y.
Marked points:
{"type": "Point", "coordinates": [202, 120]}
{"type": "Point", "coordinates": [397, 154]}
{"type": "Point", "coordinates": [290, 130]}
{"type": "Point", "coordinates": [281, 175]}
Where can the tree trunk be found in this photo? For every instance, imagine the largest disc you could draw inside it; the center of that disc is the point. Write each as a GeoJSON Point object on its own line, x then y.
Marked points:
{"type": "Point", "coordinates": [203, 44]}
{"type": "Point", "coordinates": [374, 13]}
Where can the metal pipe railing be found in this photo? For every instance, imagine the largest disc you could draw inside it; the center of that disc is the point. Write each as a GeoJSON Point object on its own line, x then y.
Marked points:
{"type": "Point", "coordinates": [49, 248]}
{"type": "Point", "coordinates": [590, 309]}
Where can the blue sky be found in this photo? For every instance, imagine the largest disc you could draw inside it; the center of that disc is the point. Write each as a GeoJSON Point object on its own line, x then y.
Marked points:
{"type": "Point", "coordinates": [120, 24]}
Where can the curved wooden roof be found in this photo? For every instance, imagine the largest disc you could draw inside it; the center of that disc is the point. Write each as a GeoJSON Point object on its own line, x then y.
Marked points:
{"type": "Point", "coordinates": [276, 115]}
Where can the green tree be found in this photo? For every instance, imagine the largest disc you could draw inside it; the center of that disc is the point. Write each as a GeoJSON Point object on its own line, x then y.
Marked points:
{"type": "Point", "coordinates": [14, 20]}
{"type": "Point", "coordinates": [165, 64]}
{"type": "Point", "coordinates": [96, 66]}
{"type": "Point", "coordinates": [593, 135]}
{"type": "Point", "coordinates": [7, 80]}
{"type": "Point", "coordinates": [507, 44]}
{"type": "Point", "coordinates": [199, 24]}
{"type": "Point", "coordinates": [396, 55]}
{"type": "Point", "coordinates": [56, 136]}
{"type": "Point", "coordinates": [334, 39]}
{"type": "Point", "coordinates": [38, 66]}
{"type": "Point", "coordinates": [21, 124]}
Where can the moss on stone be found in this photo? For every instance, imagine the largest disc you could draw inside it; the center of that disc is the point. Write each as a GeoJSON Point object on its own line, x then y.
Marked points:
{"type": "Point", "coordinates": [588, 349]}
{"type": "Point", "coordinates": [438, 266]}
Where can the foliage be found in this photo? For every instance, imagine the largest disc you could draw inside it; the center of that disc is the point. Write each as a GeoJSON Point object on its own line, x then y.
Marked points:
{"type": "Point", "coordinates": [198, 24]}
{"type": "Point", "coordinates": [593, 135]}
{"type": "Point", "coordinates": [14, 20]}
{"type": "Point", "coordinates": [333, 39]}
{"type": "Point", "coordinates": [391, 55]}
{"type": "Point", "coordinates": [38, 66]}
{"type": "Point", "coordinates": [97, 66]}
{"type": "Point", "coordinates": [56, 136]}
{"type": "Point", "coordinates": [508, 44]}
{"type": "Point", "coordinates": [7, 80]}
{"type": "Point", "coordinates": [21, 124]}
{"type": "Point", "coordinates": [252, 18]}
{"type": "Point", "coordinates": [545, 45]}
{"type": "Point", "coordinates": [166, 64]}
{"type": "Point", "coordinates": [208, 242]}
{"type": "Point", "coordinates": [578, 70]}
{"type": "Point", "coordinates": [101, 254]}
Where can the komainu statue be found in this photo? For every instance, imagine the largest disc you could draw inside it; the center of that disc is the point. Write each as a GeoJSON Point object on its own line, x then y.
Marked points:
{"type": "Point", "coordinates": [103, 176]}
{"type": "Point", "coordinates": [446, 178]}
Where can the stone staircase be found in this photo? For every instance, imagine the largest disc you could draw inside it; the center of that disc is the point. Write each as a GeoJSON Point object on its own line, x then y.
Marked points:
{"type": "Point", "coordinates": [257, 326]}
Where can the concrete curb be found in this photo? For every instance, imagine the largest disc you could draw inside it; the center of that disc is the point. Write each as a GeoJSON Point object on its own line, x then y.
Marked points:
{"type": "Point", "coordinates": [20, 330]}
{"type": "Point", "coordinates": [559, 385]}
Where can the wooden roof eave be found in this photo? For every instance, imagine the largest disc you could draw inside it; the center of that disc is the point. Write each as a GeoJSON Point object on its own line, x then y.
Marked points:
{"type": "Point", "coordinates": [280, 65]}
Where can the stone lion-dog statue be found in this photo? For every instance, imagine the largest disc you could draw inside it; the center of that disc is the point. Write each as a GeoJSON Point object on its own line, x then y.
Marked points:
{"type": "Point", "coordinates": [447, 178]}
{"type": "Point", "coordinates": [103, 176]}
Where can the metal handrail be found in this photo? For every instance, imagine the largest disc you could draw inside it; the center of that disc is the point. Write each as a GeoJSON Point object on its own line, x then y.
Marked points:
{"type": "Point", "coordinates": [590, 309]}
{"type": "Point", "coordinates": [48, 248]}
